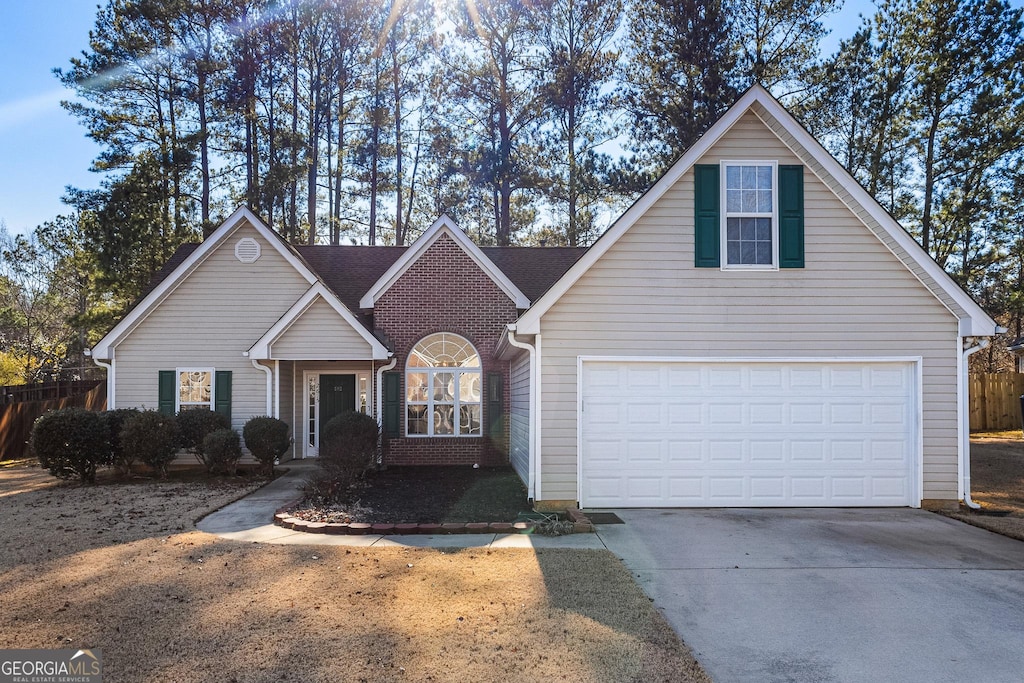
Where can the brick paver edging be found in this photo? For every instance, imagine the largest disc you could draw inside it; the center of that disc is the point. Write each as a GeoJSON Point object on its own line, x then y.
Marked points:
{"type": "Point", "coordinates": [284, 518]}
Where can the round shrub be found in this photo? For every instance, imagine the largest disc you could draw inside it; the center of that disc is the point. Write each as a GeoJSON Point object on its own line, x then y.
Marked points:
{"type": "Point", "coordinates": [153, 437]}
{"type": "Point", "coordinates": [119, 457]}
{"type": "Point", "coordinates": [71, 443]}
{"type": "Point", "coordinates": [222, 450]}
{"type": "Point", "coordinates": [195, 425]}
{"type": "Point", "coordinates": [267, 438]}
{"type": "Point", "coordinates": [348, 447]}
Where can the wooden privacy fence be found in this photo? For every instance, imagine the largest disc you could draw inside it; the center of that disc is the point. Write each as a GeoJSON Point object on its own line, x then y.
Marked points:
{"type": "Point", "coordinates": [995, 401]}
{"type": "Point", "coordinates": [16, 418]}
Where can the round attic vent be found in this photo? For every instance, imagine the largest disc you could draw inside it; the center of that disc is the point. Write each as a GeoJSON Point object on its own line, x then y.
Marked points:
{"type": "Point", "coordinates": [247, 250]}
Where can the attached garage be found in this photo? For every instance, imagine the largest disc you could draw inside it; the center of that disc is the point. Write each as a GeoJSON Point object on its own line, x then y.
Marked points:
{"type": "Point", "coordinates": [748, 432]}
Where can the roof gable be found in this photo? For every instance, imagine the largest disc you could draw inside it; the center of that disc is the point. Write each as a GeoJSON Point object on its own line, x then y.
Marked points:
{"type": "Point", "coordinates": [184, 262]}
{"type": "Point", "coordinates": [973, 320]}
{"type": "Point", "coordinates": [263, 348]}
{"type": "Point", "coordinates": [443, 226]}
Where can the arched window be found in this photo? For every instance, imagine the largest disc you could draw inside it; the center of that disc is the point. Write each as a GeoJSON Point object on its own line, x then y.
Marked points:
{"type": "Point", "coordinates": [442, 387]}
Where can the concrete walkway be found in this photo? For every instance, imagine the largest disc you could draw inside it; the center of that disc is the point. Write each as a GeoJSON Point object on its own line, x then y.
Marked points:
{"type": "Point", "coordinates": [248, 520]}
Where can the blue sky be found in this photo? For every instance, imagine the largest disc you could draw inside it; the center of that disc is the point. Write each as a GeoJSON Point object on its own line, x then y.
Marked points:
{"type": "Point", "coordinates": [43, 149]}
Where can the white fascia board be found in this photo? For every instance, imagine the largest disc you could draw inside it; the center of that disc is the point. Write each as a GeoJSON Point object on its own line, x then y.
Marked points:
{"type": "Point", "coordinates": [443, 225]}
{"type": "Point", "coordinates": [104, 350]}
{"type": "Point", "coordinates": [981, 324]}
{"type": "Point", "coordinates": [261, 349]}
{"type": "Point", "coordinates": [529, 322]}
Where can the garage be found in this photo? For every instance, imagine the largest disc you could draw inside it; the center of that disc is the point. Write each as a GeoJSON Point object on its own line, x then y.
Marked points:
{"type": "Point", "coordinates": [749, 433]}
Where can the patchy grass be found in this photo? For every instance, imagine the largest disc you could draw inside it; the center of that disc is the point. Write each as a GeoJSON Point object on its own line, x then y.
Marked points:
{"type": "Point", "coordinates": [997, 483]}
{"type": "Point", "coordinates": [121, 568]}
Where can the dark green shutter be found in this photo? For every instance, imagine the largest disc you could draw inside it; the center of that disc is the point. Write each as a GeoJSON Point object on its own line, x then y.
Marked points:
{"type": "Point", "coordinates": [392, 403]}
{"type": "Point", "coordinates": [222, 393]}
{"type": "Point", "coordinates": [791, 216]}
{"type": "Point", "coordinates": [168, 385]}
{"type": "Point", "coordinates": [707, 221]}
{"type": "Point", "coordinates": [496, 405]}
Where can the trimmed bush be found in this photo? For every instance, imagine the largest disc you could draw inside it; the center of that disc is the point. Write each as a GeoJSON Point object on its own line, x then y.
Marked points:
{"type": "Point", "coordinates": [222, 450]}
{"type": "Point", "coordinates": [119, 457]}
{"type": "Point", "coordinates": [195, 425]}
{"type": "Point", "coordinates": [348, 448]}
{"type": "Point", "coordinates": [153, 437]}
{"type": "Point", "coordinates": [71, 443]}
{"type": "Point", "coordinates": [267, 438]}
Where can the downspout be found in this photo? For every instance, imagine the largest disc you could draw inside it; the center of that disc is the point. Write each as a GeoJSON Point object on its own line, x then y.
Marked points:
{"type": "Point", "coordinates": [531, 484]}
{"type": "Point", "coordinates": [270, 384]}
{"type": "Point", "coordinates": [109, 366]}
{"type": "Point", "coordinates": [277, 389]}
{"type": "Point", "coordinates": [379, 390]}
{"type": "Point", "coordinates": [965, 419]}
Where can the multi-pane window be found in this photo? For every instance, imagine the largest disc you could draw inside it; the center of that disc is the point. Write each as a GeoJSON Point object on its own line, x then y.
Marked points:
{"type": "Point", "coordinates": [195, 389]}
{"type": "Point", "coordinates": [443, 387]}
{"type": "Point", "coordinates": [750, 228]}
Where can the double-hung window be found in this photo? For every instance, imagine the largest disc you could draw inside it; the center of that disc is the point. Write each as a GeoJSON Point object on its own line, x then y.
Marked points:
{"type": "Point", "coordinates": [750, 216]}
{"type": "Point", "coordinates": [195, 389]}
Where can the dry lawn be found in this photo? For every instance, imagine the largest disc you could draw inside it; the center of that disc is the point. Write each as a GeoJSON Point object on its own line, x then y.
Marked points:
{"type": "Point", "coordinates": [120, 567]}
{"type": "Point", "coordinates": [997, 483]}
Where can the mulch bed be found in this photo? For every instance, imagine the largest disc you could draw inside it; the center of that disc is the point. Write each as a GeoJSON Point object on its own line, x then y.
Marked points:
{"type": "Point", "coordinates": [435, 494]}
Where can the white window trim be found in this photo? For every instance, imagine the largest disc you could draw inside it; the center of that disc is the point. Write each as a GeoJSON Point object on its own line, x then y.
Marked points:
{"type": "Point", "coordinates": [177, 387]}
{"type": "Point", "coordinates": [724, 215]}
{"type": "Point", "coordinates": [430, 372]}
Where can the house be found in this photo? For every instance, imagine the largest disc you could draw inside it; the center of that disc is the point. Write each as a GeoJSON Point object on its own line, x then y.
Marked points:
{"type": "Point", "coordinates": [754, 331]}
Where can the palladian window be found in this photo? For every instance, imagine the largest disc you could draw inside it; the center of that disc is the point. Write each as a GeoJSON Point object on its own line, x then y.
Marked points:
{"type": "Point", "coordinates": [442, 387]}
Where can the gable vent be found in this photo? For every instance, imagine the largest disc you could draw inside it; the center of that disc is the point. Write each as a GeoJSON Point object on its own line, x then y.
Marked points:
{"type": "Point", "coordinates": [247, 250]}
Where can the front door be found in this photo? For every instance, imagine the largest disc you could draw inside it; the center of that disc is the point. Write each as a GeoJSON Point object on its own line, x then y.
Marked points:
{"type": "Point", "coordinates": [329, 396]}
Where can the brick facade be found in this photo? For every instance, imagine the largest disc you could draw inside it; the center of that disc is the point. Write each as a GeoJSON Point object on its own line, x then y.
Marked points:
{"type": "Point", "coordinates": [445, 291]}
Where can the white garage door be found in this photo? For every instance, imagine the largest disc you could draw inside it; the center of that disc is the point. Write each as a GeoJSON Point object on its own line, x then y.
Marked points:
{"type": "Point", "coordinates": [743, 433]}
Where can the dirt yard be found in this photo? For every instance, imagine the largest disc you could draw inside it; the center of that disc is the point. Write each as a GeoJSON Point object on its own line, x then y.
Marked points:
{"type": "Point", "coordinates": [997, 483]}
{"type": "Point", "coordinates": [121, 568]}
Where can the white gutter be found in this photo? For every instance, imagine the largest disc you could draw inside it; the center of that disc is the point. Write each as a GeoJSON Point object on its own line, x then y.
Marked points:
{"type": "Point", "coordinates": [277, 389]}
{"type": "Point", "coordinates": [110, 379]}
{"type": "Point", "coordinates": [270, 384]}
{"type": "Point", "coordinates": [534, 442]}
{"type": "Point", "coordinates": [965, 420]}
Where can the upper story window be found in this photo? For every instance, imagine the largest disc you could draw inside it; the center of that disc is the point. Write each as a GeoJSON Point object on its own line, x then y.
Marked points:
{"type": "Point", "coordinates": [442, 384]}
{"type": "Point", "coordinates": [750, 214]}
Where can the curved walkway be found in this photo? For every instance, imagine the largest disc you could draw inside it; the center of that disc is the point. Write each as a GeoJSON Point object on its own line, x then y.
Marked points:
{"type": "Point", "coordinates": [249, 519]}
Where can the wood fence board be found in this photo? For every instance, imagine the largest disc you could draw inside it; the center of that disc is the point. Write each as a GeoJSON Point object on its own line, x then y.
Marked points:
{"type": "Point", "coordinates": [994, 403]}
{"type": "Point", "coordinates": [16, 419]}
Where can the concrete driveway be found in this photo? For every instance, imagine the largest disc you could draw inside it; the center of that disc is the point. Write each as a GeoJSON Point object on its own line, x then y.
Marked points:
{"type": "Point", "coordinates": [832, 595]}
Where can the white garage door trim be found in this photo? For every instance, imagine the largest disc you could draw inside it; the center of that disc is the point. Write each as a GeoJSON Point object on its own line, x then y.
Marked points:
{"type": "Point", "coordinates": [916, 467]}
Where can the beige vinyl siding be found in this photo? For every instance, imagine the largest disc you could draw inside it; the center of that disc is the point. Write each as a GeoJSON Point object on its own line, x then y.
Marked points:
{"type": "Point", "coordinates": [519, 419]}
{"type": "Point", "coordinates": [209, 320]}
{"type": "Point", "coordinates": [645, 297]}
{"type": "Point", "coordinates": [298, 389]}
{"type": "Point", "coordinates": [320, 333]}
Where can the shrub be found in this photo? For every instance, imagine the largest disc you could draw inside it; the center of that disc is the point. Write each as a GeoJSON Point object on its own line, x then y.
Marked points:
{"type": "Point", "coordinates": [195, 425]}
{"type": "Point", "coordinates": [154, 437]}
{"type": "Point", "coordinates": [119, 457]}
{"type": "Point", "coordinates": [348, 447]}
{"type": "Point", "coordinates": [267, 438]}
{"type": "Point", "coordinates": [70, 443]}
{"type": "Point", "coordinates": [222, 451]}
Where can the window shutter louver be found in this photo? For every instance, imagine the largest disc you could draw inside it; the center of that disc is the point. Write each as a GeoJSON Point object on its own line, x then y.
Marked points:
{"type": "Point", "coordinates": [495, 406]}
{"type": "Point", "coordinates": [707, 221]}
{"type": "Point", "coordinates": [791, 216]}
{"type": "Point", "coordinates": [392, 403]}
{"type": "Point", "coordinates": [222, 393]}
{"type": "Point", "coordinates": [167, 386]}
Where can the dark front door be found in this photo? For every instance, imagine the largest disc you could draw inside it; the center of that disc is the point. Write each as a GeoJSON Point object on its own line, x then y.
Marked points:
{"type": "Point", "coordinates": [337, 394]}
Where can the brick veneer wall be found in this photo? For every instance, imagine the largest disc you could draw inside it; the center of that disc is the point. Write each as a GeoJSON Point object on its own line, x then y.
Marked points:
{"type": "Point", "coordinates": [445, 291]}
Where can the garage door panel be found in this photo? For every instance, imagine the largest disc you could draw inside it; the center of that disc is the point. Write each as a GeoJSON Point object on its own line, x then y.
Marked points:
{"type": "Point", "coordinates": [756, 434]}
